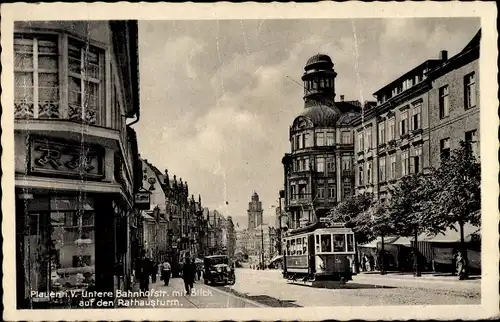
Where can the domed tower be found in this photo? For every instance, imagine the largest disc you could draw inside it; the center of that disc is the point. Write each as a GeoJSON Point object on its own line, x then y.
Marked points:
{"type": "Point", "coordinates": [319, 81]}
{"type": "Point", "coordinates": [320, 139]}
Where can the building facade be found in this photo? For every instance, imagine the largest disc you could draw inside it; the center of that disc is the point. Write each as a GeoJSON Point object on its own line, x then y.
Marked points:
{"type": "Point", "coordinates": [254, 212]}
{"type": "Point", "coordinates": [419, 118]}
{"type": "Point", "coordinates": [231, 237]}
{"type": "Point", "coordinates": [318, 171]}
{"type": "Point", "coordinates": [76, 166]}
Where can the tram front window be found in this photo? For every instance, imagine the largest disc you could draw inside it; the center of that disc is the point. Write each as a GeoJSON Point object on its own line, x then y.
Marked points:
{"type": "Point", "coordinates": [326, 243]}
{"type": "Point", "coordinates": [339, 243]}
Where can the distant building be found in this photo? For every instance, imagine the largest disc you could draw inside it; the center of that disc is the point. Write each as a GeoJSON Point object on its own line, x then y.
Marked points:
{"type": "Point", "coordinates": [254, 211]}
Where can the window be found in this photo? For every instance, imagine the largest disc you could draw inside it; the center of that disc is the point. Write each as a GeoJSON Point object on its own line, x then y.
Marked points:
{"type": "Point", "coordinates": [471, 139]}
{"type": "Point", "coordinates": [403, 124]}
{"type": "Point", "coordinates": [330, 165]}
{"type": "Point", "coordinates": [339, 244]}
{"type": "Point", "coordinates": [445, 148]}
{"type": "Point", "coordinates": [306, 164]}
{"type": "Point", "coordinates": [392, 125]}
{"type": "Point", "coordinates": [321, 193]}
{"type": "Point", "coordinates": [294, 191]}
{"type": "Point", "coordinates": [326, 243]}
{"type": "Point", "coordinates": [368, 139]}
{"type": "Point", "coordinates": [361, 180]}
{"type": "Point", "coordinates": [369, 173]}
{"type": "Point", "coordinates": [297, 142]}
{"type": "Point", "coordinates": [300, 141]}
{"type": "Point", "coordinates": [346, 163]}
{"type": "Point", "coordinates": [320, 139]}
{"type": "Point", "coordinates": [330, 138]}
{"type": "Point", "coordinates": [381, 165]}
{"type": "Point", "coordinates": [393, 167]}
{"type": "Point", "coordinates": [416, 166]}
{"type": "Point", "coordinates": [444, 104]}
{"type": "Point", "coordinates": [331, 191]}
{"type": "Point", "coordinates": [381, 132]}
{"type": "Point", "coordinates": [404, 163]}
{"type": "Point", "coordinates": [302, 191]}
{"type": "Point", "coordinates": [417, 116]}
{"type": "Point", "coordinates": [360, 142]}
{"type": "Point", "coordinates": [307, 142]}
{"type": "Point", "coordinates": [346, 137]}
{"type": "Point", "coordinates": [36, 77]}
{"type": "Point", "coordinates": [320, 164]}
{"type": "Point", "coordinates": [470, 91]}
{"type": "Point", "coordinates": [350, 242]}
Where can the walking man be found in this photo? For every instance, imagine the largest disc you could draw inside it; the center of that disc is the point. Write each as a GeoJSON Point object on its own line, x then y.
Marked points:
{"type": "Point", "coordinates": [165, 272]}
{"type": "Point", "coordinates": [154, 271]}
{"type": "Point", "coordinates": [188, 275]}
{"type": "Point", "coordinates": [143, 270]}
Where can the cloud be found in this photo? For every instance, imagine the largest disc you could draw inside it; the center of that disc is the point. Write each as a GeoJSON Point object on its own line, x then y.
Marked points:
{"type": "Point", "coordinates": [217, 100]}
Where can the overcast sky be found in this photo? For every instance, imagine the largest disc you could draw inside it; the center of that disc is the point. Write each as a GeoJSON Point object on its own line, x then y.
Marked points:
{"type": "Point", "coordinates": [217, 100]}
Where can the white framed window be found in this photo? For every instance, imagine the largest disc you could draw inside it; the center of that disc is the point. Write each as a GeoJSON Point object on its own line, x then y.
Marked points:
{"type": "Point", "coordinates": [392, 130]}
{"type": "Point", "coordinates": [330, 165]}
{"type": "Point", "coordinates": [393, 174]}
{"type": "Point", "coordinates": [361, 180]}
{"type": "Point", "coordinates": [320, 164]}
{"type": "Point", "coordinates": [404, 163]}
{"type": "Point", "coordinates": [307, 141]}
{"type": "Point", "coordinates": [320, 139]}
{"type": "Point", "coordinates": [368, 142]}
{"type": "Point", "coordinates": [444, 102]}
{"type": "Point", "coordinates": [381, 165]}
{"type": "Point", "coordinates": [416, 122]}
{"type": "Point", "coordinates": [381, 132]}
{"type": "Point", "coordinates": [416, 161]}
{"type": "Point", "coordinates": [331, 191]}
{"type": "Point", "coordinates": [470, 90]}
{"type": "Point", "coordinates": [346, 163]}
{"type": "Point", "coordinates": [471, 138]}
{"type": "Point", "coordinates": [403, 124]}
{"type": "Point", "coordinates": [369, 172]}
{"type": "Point", "coordinates": [36, 76]}
{"type": "Point", "coordinates": [360, 142]}
{"type": "Point", "coordinates": [321, 193]}
{"type": "Point", "coordinates": [330, 138]}
{"type": "Point", "coordinates": [346, 137]}
{"type": "Point", "coordinates": [300, 141]}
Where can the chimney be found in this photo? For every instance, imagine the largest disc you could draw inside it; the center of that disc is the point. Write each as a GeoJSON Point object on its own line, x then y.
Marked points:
{"type": "Point", "coordinates": [443, 55]}
{"type": "Point", "coordinates": [341, 98]}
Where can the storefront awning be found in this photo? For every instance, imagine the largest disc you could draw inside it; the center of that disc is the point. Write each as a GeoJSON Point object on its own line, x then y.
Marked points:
{"type": "Point", "coordinates": [389, 240]}
{"type": "Point", "coordinates": [451, 235]}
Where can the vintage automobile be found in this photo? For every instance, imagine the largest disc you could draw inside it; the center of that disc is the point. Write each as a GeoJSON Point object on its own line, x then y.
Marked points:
{"type": "Point", "coordinates": [218, 270]}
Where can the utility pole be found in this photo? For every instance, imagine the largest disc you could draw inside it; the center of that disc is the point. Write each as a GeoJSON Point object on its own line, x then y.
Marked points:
{"type": "Point", "coordinates": [262, 239]}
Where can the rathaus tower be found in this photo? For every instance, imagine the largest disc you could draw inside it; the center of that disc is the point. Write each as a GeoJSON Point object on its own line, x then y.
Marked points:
{"type": "Point", "coordinates": [254, 212]}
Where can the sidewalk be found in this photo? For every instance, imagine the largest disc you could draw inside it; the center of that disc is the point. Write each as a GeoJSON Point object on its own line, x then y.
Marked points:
{"type": "Point", "coordinates": [443, 277]}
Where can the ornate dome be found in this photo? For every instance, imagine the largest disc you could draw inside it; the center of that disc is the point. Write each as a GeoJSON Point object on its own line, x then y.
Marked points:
{"type": "Point", "coordinates": [319, 59]}
{"type": "Point", "coordinates": [320, 115]}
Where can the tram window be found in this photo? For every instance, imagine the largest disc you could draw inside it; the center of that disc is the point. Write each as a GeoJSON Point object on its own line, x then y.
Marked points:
{"type": "Point", "coordinates": [293, 246]}
{"type": "Point", "coordinates": [288, 247]}
{"type": "Point", "coordinates": [326, 243]}
{"type": "Point", "coordinates": [350, 243]}
{"type": "Point", "coordinates": [339, 243]}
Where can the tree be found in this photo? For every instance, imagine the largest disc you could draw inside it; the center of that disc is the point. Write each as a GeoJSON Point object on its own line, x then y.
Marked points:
{"type": "Point", "coordinates": [378, 220]}
{"type": "Point", "coordinates": [353, 211]}
{"type": "Point", "coordinates": [458, 200]}
{"type": "Point", "coordinates": [409, 210]}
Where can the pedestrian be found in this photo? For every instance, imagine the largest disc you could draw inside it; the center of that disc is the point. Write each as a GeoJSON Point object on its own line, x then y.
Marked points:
{"type": "Point", "coordinates": [371, 261]}
{"type": "Point", "coordinates": [165, 272]}
{"type": "Point", "coordinates": [143, 271]}
{"type": "Point", "coordinates": [154, 271]}
{"type": "Point", "coordinates": [188, 275]}
{"type": "Point", "coordinates": [364, 261]}
{"type": "Point", "coordinates": [199, 269]}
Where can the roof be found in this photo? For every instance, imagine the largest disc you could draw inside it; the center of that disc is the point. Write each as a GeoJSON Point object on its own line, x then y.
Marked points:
{"type": "Point", "coordinates": [320, 115]}
{"type": "Point", "coordinates": [319, 59]}
{"type": "Point", "coordinates": [347, 118]}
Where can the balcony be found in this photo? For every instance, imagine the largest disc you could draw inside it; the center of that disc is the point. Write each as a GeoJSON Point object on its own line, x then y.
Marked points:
{"type": "Point", "coordinates": [300, 199]}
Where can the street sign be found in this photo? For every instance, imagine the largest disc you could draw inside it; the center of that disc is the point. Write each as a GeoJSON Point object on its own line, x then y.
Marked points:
{"type": "Point", "coordinates": [142, 200]}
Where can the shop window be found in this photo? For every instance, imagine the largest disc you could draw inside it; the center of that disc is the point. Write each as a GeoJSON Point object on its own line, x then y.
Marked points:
{"type": "Point", "coordinates": [339, 245]}
{"type": "Point", "coordinates": [326, 243]}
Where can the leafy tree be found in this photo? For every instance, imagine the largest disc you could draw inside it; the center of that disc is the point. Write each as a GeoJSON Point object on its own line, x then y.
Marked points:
{"type": "Point", "coordinates": [458, 200]}
{"type": "Point", "coordinates": [379, 222]}
{"type": "Point", "coordinates": [409, 211]}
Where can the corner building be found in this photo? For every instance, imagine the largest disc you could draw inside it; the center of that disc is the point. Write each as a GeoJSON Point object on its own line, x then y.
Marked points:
{"type": "Point", "coordinates": [318, 171]}
{"type": "Point", "coordinates": [76, 159]}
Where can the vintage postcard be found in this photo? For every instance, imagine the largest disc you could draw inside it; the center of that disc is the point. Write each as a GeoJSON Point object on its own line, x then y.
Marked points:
{"type": "Point", "coordinates": [249, 161]}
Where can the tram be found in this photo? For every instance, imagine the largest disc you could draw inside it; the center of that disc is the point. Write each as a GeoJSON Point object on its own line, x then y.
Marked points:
{"type": "Point", "coordinates": [319, 252]}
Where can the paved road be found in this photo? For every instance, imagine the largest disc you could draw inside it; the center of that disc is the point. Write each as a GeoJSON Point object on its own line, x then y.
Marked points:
{"type": "Point", "coordinates": [267, 287]}
{"type": "Point", "coordinates": [204, 296]}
